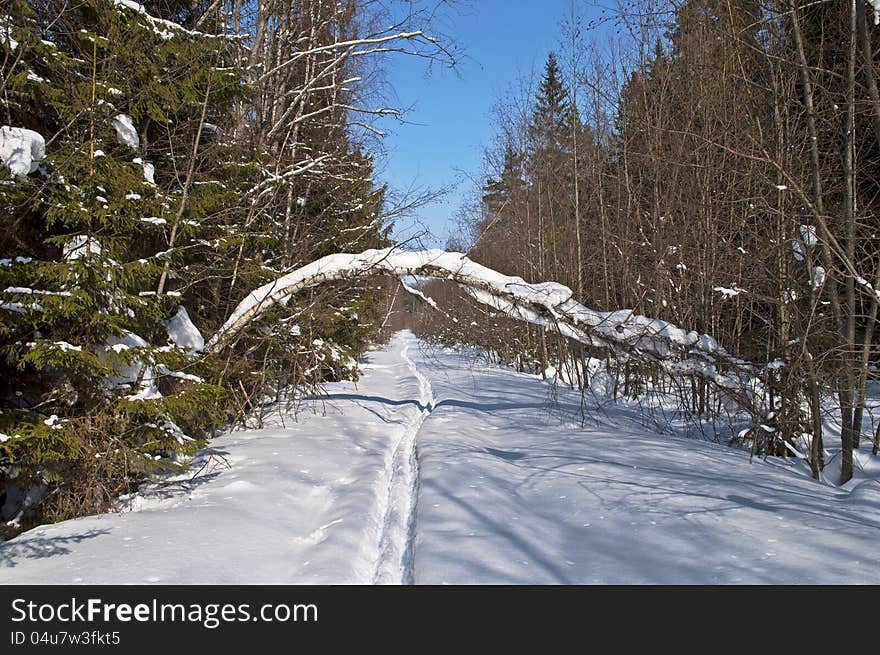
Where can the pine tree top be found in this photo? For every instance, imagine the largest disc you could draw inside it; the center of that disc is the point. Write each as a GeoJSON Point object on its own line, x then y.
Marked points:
{"type": "Point", "coordinates": [553, 115]}
{"type": "Point", "coordinates": [553, 102]}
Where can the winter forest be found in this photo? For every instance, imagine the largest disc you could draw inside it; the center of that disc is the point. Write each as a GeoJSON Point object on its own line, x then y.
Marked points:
{"type": "Point", "coordinates": [676, 217]}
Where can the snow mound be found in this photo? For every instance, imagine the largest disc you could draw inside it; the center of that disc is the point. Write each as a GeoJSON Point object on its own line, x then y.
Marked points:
{"type": "Point", "coordinates": [125, 373]}
{"type": "Point", "coordinates": [21, 149]}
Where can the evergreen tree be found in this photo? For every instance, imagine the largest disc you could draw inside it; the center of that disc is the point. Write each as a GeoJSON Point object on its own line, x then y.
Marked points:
{"type": "Point", "coordinates": [119, 97]}
{"type": "Point", "coordinates": [499, 193]}
{"type": "Point", "coordinates": [551, 119]}
{"type": "Point", "coordinates": [154, 171]}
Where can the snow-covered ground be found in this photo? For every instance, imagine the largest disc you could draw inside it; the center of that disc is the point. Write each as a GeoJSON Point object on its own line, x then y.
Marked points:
{"type": "Point", "coordinates": [433, 469]}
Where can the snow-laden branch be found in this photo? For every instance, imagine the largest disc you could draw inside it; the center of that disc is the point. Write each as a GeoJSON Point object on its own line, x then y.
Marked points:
{"type": "Point", "coordinates": [422, 296]}
{"type": "Point", "coordinates": [547, 304]}
{"type": "Point", "coordinates": [165, 28]}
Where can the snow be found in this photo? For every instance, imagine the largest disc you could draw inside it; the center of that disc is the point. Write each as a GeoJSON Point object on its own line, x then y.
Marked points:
{"type": "Point", "coordinates": [148, 391]}
{"type": "Point", "coordinates": [81, 246]}
{"type": "Point", "coordinates": [5, 263]}
{"type": "Point", "coordinates": [174, 430]}
{"type": "Point", "coordinates": [21, 150]}
{"type": "Point", "coordinates": [492, 288]}
{"type": "Point", "coordinates": [149, 174]}
{"type": "Point", "coordinates": [876, 5]}
{"type": "Point", "coordinates": [868, 286]}
{"type": "Point", "coordinates": [127, 373]}
{"type": "Point", "coordinates": [126, 133]}
{"type": "Point", "coordinates": [166, 29]}
{"type": "Point", "coordinates": [27, 291]}
{"type": "Point", "coordinates": [434, 469]}
{"type": "Point", "coordinates": [807, 241]}
{"type": "Point", "coordinates": [66, 347]}
{"type": "Point", "coordinates": [20, 308]}
{"type": "Point", "coordinates": [418, 293]}
{"type": "Point", "coordinates": [729, 292]}
{"type": "Point", "coordinates": [808, 235]}
{"type": "Point", "coordinates": [6, 33]}
{"type": "Point", "coordinates": [183, 332]}
{"type": "Point", "coordinates": [294, 502]}
{"type": "Point", "coordinates": [164, 370]}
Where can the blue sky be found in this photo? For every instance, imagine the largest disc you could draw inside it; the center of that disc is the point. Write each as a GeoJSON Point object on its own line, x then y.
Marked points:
{"type": "Point", "coordinates": [450, 121]}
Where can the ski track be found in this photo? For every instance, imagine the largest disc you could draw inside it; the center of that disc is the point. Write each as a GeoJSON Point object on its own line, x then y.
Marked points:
{"type": "Point", "coordinates": [436, 472]}
{"type": "Point", "coordinates": [396, 548]}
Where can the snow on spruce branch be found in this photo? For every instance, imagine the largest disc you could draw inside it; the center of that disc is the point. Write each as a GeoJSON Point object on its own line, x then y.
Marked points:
{"type": "Point", "coordinates": [21, 150]}
{"type": "Point", "coordinates": [165, 28]}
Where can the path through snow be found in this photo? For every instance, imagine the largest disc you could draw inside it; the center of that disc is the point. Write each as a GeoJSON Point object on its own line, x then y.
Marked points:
{"type": "Point", "coordinates": [299, 501]}
{"type": "Point", "coordinates": [395, 562]}
{"type": "Point", "coordinates": [433, 469]}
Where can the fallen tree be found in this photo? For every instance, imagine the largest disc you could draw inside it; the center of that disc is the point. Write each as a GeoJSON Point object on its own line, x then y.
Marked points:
{"type": "Point", "coordinates": [547, 304]}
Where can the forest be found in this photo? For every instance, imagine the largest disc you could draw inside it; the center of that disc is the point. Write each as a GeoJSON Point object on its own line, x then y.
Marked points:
{"type": "Point", "coordinates": [161, 161]}
{"type": "Point", "coordinates": [714, 165]}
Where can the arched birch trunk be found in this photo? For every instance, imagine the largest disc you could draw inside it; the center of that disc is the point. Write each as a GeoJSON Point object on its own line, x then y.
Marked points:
{"type": "Point", "coordinates": [547, 304]}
